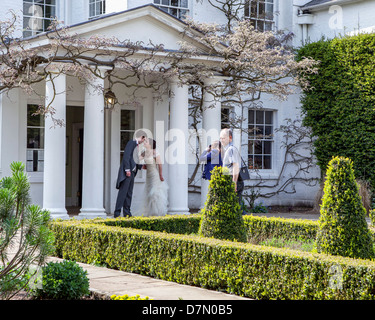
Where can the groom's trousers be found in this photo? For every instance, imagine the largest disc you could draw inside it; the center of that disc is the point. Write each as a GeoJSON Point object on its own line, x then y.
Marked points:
{"type": "Point", "coordinates": [124, 196]}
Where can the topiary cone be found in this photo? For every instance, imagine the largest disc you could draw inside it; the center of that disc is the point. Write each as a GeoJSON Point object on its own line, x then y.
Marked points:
{"type": "Point", "coordinates": [222, 214]}
{"type": "Point", "coordinates": [343, 229]}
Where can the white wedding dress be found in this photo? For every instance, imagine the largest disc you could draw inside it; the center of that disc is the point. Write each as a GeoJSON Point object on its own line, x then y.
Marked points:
{"type": "Point", "coordinates": [155, 196]}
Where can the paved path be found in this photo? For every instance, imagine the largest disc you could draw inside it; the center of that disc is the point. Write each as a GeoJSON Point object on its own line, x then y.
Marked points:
{"type": "Point", "coordinates": [108, 282]}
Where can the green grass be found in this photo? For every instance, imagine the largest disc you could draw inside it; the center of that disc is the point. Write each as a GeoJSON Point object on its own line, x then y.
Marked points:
{"type": "Point", "coordinates": [302, 245]}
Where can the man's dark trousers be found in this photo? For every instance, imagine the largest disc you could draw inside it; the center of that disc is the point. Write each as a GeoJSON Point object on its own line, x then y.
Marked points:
{"type": "Point", "coordinates": [124, 196]}
{"type": "Point", "coordinates": [124, 183]}
{"type": "Point", "coordinates": [240, 187]}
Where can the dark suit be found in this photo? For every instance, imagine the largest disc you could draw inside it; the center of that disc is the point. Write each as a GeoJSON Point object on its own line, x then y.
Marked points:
{"type": "Point", "coordinates": [125, 184]}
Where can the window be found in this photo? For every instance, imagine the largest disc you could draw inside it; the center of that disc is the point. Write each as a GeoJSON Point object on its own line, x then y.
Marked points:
{"type": "Point", "coordinates": [225, 118]}
{"type": "Point", "coordinates": [37, 16]}
{"type": "Point", "coordinates": [177, 8]}
{"type": "Point", "coordinates": [260, 13]}
{"type": "Point", "coordinates": [260, 139]}
{"type": "Point", "coordinates": [127, 129]}
{"type": "Point", "coordinates": [96, 8]}
{"type": "Point", "coordinates": [35, 140]}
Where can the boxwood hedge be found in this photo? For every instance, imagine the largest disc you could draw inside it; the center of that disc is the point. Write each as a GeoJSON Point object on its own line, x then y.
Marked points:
{"type": "Point", "coordinates": [257, 227]}
{"type": "Point", "coordinates": [240, 268]}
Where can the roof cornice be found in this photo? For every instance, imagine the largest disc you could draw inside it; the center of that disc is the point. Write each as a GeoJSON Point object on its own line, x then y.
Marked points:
{"type": "Point", "coordinates": [327, 4]}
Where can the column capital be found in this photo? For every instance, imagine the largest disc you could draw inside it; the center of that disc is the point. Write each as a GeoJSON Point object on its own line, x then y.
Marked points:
{"type": "Point", "coordinates": [177, 81]}
{"type": "Point", "coordinates": [55, 67]}
{"type": "Point", "coordinates": [215, 79]}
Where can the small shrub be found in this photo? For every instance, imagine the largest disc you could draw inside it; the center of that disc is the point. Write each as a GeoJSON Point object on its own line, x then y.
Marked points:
{"type": "Point", "coordinates": [343, 228]}
{"type": "Point", "coordinates": [259, 208]}
{"type": "Point", "coordinates": [222, 214]}
{"type": "Point", "coordinates": [63, 281]}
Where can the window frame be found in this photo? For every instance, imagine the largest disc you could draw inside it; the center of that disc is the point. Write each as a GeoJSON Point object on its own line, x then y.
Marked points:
{"type": "Point", "coordinates": [122, 148]}
{"type": "Point", "coordinates": [262, 137]}
{"type": "Point", "coordinates": [45, 20]}
{"type": "Point", "coordinates": [98, 4]}
{"type": "Point", "coordinates": [116, 153]}
{"type": "Point", "coordinates": [170, 7]}
{"type": "Point", "coordinates": [36, 152]}
{"type": "Point", "coordinates": [256, 17]}
{"type": "Point", "coordinates": [226, 124]}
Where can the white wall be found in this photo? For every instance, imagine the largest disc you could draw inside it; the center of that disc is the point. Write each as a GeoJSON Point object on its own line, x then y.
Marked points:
{"type": "Point", "coordinates": [303, 195]}
{"type": "Point", "coordinates": [116, 5]}
{"type": "Point", "coordinates": [334, 21]}
{"type": "Point", "coordinates": [16, 6]}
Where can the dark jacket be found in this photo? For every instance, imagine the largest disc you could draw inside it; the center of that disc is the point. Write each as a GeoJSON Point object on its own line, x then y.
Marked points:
{"type": "Point", "coordinates": [128, 163]}
{"type": "Point", "coordinates": [213, 159]}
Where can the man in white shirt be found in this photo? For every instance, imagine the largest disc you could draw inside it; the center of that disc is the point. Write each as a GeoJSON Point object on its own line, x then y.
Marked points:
{"type": "Point", "coordinates": [232, 160]}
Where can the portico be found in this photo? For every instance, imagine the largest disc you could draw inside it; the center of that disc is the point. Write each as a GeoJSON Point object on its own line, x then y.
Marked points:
{"type": "Point", "coordinates": [98, 135]}
{"type": "Point", "coordinates": [100, 144]}
{"type": "Point", "coordinates": [105, 132]}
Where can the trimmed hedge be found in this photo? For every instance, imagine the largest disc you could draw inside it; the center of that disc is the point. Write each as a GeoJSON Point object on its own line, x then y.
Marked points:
{"type": "Point", "coordinates": [180, 224]}
{"type": "Point", "coordinates": [243, 269]}
{"type": "Point", "coordinates": [257, 227]}
{"type": "Point", "coordinates": [289, 229]}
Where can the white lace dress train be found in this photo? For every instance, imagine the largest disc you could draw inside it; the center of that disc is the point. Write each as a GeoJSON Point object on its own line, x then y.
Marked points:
{"type": "Point", "coordinates": [155, 196]}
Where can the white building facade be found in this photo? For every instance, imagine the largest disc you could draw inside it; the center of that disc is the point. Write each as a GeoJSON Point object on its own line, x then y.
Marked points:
{"type": "Point", "coordinates": [76, 165]}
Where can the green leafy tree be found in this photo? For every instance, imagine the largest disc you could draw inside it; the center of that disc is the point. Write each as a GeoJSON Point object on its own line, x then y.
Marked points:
{"type": "Point", "coordinates": [339, 103]}
{"type": "Point", "coordinates": [222, 214]}
{"type": "Point", "coordinates": [25, 237]}
{"type": "Point", "coordinates": [343, 229]}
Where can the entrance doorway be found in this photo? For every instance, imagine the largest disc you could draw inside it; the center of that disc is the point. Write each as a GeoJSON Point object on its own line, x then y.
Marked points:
{"type": "Point", "coordinates": [74, 163]}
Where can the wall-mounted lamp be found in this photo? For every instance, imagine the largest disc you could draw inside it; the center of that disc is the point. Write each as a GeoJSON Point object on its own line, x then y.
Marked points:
{"type": "Point", "coordinates": [110, 100]}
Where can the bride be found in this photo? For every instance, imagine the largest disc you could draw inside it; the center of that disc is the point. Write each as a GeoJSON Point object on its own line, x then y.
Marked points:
{"type": "Point", "coordinates": [156, 189]}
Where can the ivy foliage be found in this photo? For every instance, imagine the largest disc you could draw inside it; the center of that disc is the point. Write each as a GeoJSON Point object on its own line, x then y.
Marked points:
{"type": "Point", "coordinates": [343, 228]}
{"type": "Point", "coordinates": [339, 106]}
{"type": "Point", "coordinates": [222, 214]}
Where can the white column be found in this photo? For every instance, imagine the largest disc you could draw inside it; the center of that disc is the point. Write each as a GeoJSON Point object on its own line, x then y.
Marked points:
{"type": "Point", "coordinates": [177, 150]}
{"type": "Point", "coordinates": [55, 150]}
{"type": "Point", "coordinates": [211, 122]}
{"type": "Point", "coordinates": [93, 152]}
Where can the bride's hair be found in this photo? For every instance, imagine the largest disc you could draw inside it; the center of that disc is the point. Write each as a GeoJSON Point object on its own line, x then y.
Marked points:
{"type": "Point", "coordinates": [152, 142]}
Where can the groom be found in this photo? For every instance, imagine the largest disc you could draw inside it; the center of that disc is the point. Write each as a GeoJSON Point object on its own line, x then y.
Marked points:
{"type": "Point", "coordinates": [126, 174]}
